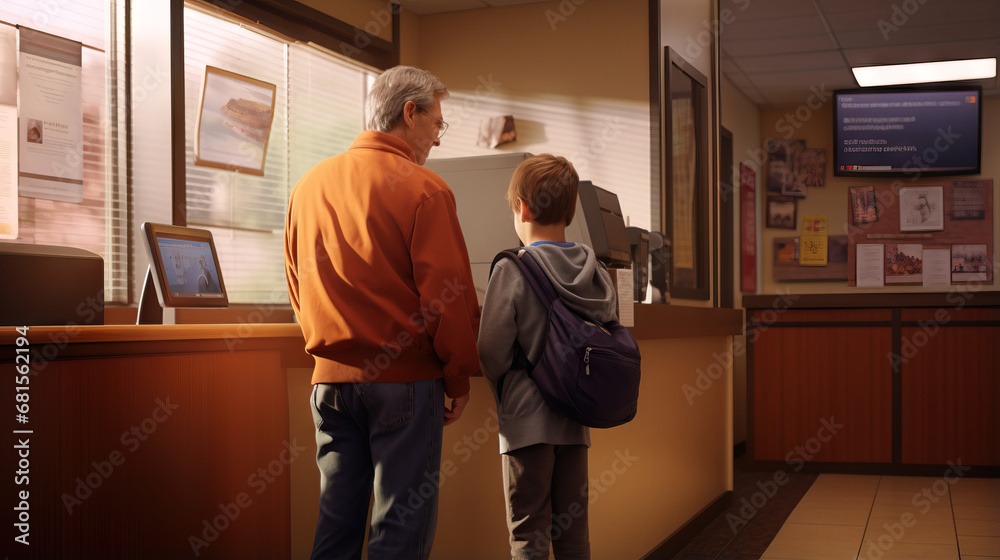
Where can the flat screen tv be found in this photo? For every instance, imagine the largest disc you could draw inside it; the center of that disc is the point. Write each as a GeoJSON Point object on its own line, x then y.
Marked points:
{"type": "Point", "coordinates": [907, 132]}
{"type": "Point", "coordinates": [184, 271]}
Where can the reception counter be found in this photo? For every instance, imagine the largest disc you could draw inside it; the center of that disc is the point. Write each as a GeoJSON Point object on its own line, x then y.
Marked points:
{"type": "Point", "coordinates": [189, 441]}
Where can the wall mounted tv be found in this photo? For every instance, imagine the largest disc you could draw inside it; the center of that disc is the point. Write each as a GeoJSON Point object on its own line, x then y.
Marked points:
{"type": "Point", "coordinates": [907, 132]}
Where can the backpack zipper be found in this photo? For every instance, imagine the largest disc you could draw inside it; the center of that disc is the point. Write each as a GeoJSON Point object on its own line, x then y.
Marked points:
{"type": "Point", "coordinates": [586, 359]}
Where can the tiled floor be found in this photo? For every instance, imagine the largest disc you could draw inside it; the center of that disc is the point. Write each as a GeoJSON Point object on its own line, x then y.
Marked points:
{"type": "Point", "coordinates": [869, 517]}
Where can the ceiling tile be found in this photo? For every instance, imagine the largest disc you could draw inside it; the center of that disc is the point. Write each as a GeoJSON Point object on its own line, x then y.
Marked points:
{"type": "Point", "coordinates": [931, 51]}
{"type": "Point", "coordinates": [779, 26]}
{"type": "Point", "coordinates": [790, 62]}
{"type": "Point", "coordinates": [762, 46]}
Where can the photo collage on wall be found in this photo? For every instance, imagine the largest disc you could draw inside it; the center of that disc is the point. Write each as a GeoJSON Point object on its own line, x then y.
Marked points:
{"type": "Point", "coordinates": [791, 169]}
{"type": "Point", "coordinates": [926, 245]}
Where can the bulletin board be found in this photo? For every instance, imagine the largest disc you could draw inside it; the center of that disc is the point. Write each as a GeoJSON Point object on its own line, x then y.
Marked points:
{"type": "Point", "coordinates": [905, 220]}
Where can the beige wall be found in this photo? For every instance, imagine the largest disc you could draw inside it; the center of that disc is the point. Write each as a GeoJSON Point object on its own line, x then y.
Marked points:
{"type": "Point", "coordinates": [558, 72]}
{"type": "Point", "coordinates": [534, 48]}
{"type": "Point", "coordinates": [831, 200]}
{"type": "Point", "coordinates": [371, 15]}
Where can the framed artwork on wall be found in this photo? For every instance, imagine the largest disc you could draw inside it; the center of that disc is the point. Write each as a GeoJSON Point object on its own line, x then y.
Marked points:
{"type": "Point", "coordinates": [781, 212]}
{"type": "Point", "coordinates": [685, 199]}
{"type": "Point", "coordinates": [234, 122]}
{"type": "Point", "coordinates": [921, 209]}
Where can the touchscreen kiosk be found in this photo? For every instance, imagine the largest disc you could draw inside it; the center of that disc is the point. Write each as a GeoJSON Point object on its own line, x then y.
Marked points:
{"type": "Point", "coordinates": [183, 271]}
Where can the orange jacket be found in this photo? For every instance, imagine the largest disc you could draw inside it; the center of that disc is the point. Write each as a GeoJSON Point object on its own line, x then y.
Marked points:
{"type": "Point", "coordinates": [378, 271]}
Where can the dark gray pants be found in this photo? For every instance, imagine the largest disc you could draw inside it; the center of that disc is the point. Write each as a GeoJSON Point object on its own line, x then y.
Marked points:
{"type": "Point", "coordinates": [386, 437]}
{"type": "Point", "coordinates": [546, 493]}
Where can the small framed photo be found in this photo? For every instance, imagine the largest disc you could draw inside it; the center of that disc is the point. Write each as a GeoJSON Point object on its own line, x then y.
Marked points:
{"type": "Point", "coordinates": [781, 212]}
{"type": "Point", "coordinates": [810, 167]}
{"type": "Point", "coordinates": [863, 207]}
{"type": "Point", "coordinates": [782, 154]}
{"type": "Point", "coordinates": [234, 122]}
{"type": "Point", "coordinates": [969, 263]}
{"type": "Point", "coordinates": [921, 209]}
{"type": "Point", "coordinates": [795, 188]}
{"type": "Point", "coordinates": [904, 263]}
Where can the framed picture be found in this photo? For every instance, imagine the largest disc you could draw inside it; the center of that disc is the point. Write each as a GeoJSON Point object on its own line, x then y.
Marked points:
{"type": "Point", "coordinates": [795, 188]}
{"type": "Point", "coordinates": [810, 167]}
{"type": "Point", "coordinates": [781, 157]}
{"type": "Point", "coordinates": [904, 263]}
{"type": "Point", "coordinates": [234, 122]}
{"type": "Point", "coordinates": [685, 200]}
{"type": "Point", "coordinates": [781, 212]}
{"type": "Point", "coordinates": [921, 209]}
{"type": "Point", "coordinates": [969, 263]}
{"type": "Point", "coordinates": [863, 207]}
{"type": "Point", "coordinates": [968, 201]}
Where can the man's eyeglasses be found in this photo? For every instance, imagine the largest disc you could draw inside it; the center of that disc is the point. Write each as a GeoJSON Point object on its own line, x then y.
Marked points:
{"type": "Point", "coordinates": [442, 126]}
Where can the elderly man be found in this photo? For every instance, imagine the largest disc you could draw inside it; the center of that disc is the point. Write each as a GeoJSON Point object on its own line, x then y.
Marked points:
{"type": "Point", "coordinates": [379, 278]}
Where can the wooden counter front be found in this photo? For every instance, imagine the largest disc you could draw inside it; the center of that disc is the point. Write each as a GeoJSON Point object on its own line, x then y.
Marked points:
{"type": "Point", "coordinates": [178, 441]}
{"type": "Point", "coordinates": [150, 441]}
{"type": "Point", "coordinates": [910, 380]}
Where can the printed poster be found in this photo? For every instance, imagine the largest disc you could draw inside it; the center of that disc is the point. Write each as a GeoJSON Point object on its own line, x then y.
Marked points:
{"type": "Point", "coordinates": [50, 133]}
{"type": "Point", "coordinates": [937, 267]}
{"type": "Point", "coordinates": [814, 243]}
{"type": "Point", "coordinates": [8, 133]}
{"type": "Point", "coordinates": [871, 265]}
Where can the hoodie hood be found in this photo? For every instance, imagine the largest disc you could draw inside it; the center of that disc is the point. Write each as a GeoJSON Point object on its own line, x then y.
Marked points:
{"type": "Point", "coordinates": [582, 282]}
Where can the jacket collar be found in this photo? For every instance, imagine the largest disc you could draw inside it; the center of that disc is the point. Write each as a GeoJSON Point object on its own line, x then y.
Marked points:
{"type": "Point", "coordinates": [374, 140]}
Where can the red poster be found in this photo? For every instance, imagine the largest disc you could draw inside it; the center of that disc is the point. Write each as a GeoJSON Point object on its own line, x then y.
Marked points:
{"type": "Point", "coordinates": [748, 229]}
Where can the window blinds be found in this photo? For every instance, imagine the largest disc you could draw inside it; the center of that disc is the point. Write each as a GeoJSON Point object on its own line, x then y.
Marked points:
{"type": "Point", "coordinates": [319, 107]}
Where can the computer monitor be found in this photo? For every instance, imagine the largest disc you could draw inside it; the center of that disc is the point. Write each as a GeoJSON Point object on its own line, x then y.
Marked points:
{"type": "Point", "coordinates": [183, 271]}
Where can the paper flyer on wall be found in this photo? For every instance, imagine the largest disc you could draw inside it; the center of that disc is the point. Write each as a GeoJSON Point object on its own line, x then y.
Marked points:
{"type": "Point", "coordinates": [50, 133]}
{"type": "Point", "coordinates": [8, 133]}
{"type": "Point", "coordinates": [814, 241]}
{"type": "Point", "coordinates": [8, 65]}
{"type": "Point", "coordinates": [8, 172]}
{"type": "Point", "coordinates": [871, 265]}
{"type": "Point", "coordinates": [937, 267]}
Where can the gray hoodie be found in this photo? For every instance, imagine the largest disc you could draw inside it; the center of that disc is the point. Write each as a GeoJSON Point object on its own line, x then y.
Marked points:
{"type": "Point", "coordinates": [513, 313]}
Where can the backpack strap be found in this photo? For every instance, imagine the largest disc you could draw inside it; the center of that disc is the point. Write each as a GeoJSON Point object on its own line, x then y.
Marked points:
{"type": "Point", "coordinates": [505, 254]}
{"type": "Point", "coordinates": [542, 287]}
{"type": "Point", "coordinates": [533, 273]}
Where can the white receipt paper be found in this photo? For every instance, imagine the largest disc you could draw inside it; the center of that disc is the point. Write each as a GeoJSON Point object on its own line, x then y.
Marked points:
{"type": "Point", "coordinates": [625, 292]}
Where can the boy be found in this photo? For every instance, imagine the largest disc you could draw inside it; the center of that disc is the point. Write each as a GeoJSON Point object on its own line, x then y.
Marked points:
{"type": "Point", "coordinates": [543, 453]}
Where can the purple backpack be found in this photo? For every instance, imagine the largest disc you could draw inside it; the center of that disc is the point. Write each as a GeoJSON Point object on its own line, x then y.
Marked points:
{"type": "Point", "coordinates": [588, 371]}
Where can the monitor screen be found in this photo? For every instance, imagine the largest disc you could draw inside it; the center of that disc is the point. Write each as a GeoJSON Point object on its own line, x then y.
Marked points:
{"type": "Point", "coordinates": [907, 132]}
{"type": "Point", "coordinates": [184, 266]}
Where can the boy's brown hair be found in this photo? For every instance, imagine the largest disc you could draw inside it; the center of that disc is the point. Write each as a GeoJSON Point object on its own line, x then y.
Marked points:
{"type": "Point", "coordinates": [548, 184]}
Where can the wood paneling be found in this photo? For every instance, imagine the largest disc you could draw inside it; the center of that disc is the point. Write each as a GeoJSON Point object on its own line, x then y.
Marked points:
{"type": "Point", "coordinates": [945, 315]}
{"type": "Point", "coordinates": [806, 380]}
{"type": "Point", "coordinates": [821, 316]}
{"type": "Point", "coordinates": [951, 395]}
{"type": "Point", "coordinates": [131, 456]}
{"type": "Point", "coordinates": [913, 379]}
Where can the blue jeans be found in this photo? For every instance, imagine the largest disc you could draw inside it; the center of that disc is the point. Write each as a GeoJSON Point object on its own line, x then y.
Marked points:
{"type": "Point", "coordinates": [386, 437]}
